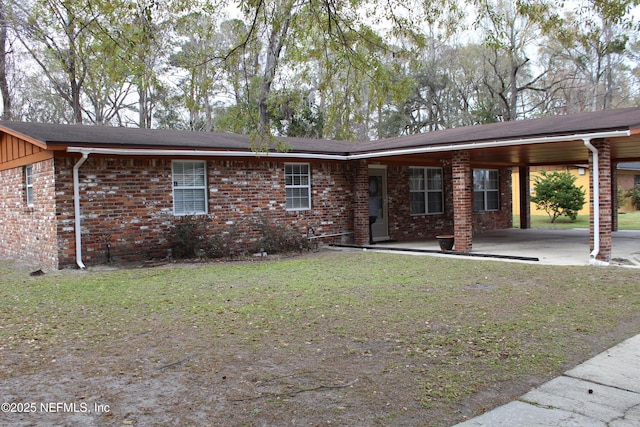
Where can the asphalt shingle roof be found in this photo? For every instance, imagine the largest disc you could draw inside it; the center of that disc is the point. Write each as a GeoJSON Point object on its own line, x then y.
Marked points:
{"type": "Point", "coordinates": [61, 136]}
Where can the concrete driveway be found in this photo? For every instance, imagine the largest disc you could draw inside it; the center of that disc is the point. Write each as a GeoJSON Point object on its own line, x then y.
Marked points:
{"type": "Point", "coordinates": [544, 246]}
{"type": "Point", "coordinates": [602, 392]}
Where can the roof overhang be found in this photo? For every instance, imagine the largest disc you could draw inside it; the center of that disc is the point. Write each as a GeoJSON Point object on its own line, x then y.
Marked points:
{"type": "Point", "coordinates": [440, 148]}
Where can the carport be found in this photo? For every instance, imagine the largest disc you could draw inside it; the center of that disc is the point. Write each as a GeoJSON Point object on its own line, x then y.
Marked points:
{"type": "Point", "coordinates": [537, 246]}
{"type": "Point", "coordinates": [602, 139]}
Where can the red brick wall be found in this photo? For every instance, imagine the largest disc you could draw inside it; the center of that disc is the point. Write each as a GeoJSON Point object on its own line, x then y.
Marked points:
{"type": "Point", "coordinates": [502, 218]}
{"type": "Point", "coordinates": [403, 225]}
{"type": "Point", "coordinates": [125, 208]}
{"type": "Point", "coordinates": [27, 233]}
{"type": "Point", "coordinates": [626, 179]}
{"type": "Point", "coordinates": [128, 203]}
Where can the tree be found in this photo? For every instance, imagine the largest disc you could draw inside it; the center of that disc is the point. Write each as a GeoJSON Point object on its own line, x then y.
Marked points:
{"type": "Point", "coordinates": [339, 50]}
{"type": "Point", "coordinates": [4, 58]}
{"type": "Point", "coordinates": [508, 37]}
{"type": "Point", "coordinates": [592, 40]}
{"type": "Point", "coordinates": [557, 194]}
{"type": "Point", "coordinates": [356, 69]}
{"type": "Point", "coordinates": [202, 80]}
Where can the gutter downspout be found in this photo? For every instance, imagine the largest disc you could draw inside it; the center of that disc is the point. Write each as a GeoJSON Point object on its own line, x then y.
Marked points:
{"type": "Point", "coordinates": [596, 206]}
{"type": "Point", "coordinates": [76, 205]}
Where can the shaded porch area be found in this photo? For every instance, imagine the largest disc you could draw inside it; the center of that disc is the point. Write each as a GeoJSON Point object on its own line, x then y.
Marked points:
{"type": "Point", "coordinates": [534, 245]}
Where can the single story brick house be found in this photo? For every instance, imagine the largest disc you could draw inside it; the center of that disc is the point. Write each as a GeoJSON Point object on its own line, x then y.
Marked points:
{"type": "Point", "coordinates": [68, 191]}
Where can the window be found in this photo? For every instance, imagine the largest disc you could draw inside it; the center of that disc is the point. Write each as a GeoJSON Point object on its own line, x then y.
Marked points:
{"type": "Point", "coordinates": [425, 186]}
{"type": "Point", "coordinates": [297, 186]}
{"type": "Point", "coordinates": [485, 190]}
{"type": "Point", "coordinates": [28, 183]}
{"type": "Point", "coordinates": [189, 187]}
{"type": "Point", "coordinates": [636, 180]}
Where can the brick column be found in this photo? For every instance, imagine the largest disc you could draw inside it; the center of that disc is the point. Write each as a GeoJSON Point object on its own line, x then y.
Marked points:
{"type": "Point", "coordinates": [361, 203]}
{"type": "Point", "coordinates": [462, 201]}
{"type": "Point", "coordinates": [606, 205]}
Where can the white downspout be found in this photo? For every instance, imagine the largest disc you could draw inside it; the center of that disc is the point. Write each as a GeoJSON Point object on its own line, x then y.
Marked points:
{"type": "Point", "coordinates": [596, 205]}
{"type": "Point", "coordinates": [76, 205]}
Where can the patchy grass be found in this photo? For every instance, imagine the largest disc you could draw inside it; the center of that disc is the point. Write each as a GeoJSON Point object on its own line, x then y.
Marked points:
{"type": "Point", "coordinates": [629, 221]}
{"type": "Point", "coordinates": [349, 338]}
{"type": "Point", "coordinates": [626, 221]}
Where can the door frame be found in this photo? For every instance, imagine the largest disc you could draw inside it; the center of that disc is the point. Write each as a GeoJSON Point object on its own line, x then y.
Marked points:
{"type": "Point", "coordinates": [381, 226]}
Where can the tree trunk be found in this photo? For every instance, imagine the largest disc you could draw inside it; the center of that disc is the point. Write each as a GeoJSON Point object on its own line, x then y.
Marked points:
{"type": "Point", "coordinates": [4, 86]}
{"type": "Point", "coordinates": [274, 49]}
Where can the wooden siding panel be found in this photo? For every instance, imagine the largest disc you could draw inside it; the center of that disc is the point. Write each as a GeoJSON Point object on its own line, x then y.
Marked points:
{"type": "Point", "coordinates": [22, 152]}
{"type": "Point", "coordinates": [18, 152]}
{"type": "Point", "coordinates": [15, 148]}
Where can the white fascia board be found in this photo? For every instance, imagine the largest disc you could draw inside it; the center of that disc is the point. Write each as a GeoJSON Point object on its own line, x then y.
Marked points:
{"type": "Point", "coordinates": [361, 156]}
{"type": "Point", "coordinates": [490, 144]}
{"type": "Point", "coordinates": [200, 153]}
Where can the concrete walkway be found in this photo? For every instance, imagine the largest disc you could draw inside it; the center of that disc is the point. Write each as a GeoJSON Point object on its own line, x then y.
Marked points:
{"type": "Point", "coordinates": [604, 391]}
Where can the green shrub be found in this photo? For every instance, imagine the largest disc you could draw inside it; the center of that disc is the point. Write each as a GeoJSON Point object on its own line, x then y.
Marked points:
{"type": "Point", "coordinates": [225, 243]}
{"type": "Point", "coordinates": [194, 237]}
{"type": "Point", "coordinates": [634, 195]}
{"type": "Point", "coordinates": [188, 237]}
{"type": "Point", "coordinates": [622, 197]}
{"type": "Point", "coordinates": [557, 194]}
{"type": "Point", "coordinates": [278, 238]}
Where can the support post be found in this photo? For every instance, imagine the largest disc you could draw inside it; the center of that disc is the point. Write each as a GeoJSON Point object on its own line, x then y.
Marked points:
{"type": "Point", "coordinates": [525, 197]}
{"type": "Point", "coordinates": [600, 212]}
{"type": "Point", "coordinates": [361, 203]}
{"type": "Point", "coordinates": [462, 201]}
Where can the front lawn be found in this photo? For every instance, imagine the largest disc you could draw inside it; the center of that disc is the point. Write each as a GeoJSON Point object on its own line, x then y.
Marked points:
{"type": "Point", "coordinates": [626, 221]}
{"type": "Point", "coordinates": [340, 338]}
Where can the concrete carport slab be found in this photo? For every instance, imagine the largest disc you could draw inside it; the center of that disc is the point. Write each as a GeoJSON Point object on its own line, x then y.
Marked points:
{"type": "Point", "coordinates": [543, 246]}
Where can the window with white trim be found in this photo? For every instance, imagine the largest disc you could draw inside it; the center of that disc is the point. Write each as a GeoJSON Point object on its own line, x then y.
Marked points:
{"type": "Point", "coordinates": [28, 184]}
{"type": "Point", "coordinates": [297, 186]}
{"type": "Point", "coordinates": [426, 190]}
{"type": "Point", "coordinates": [486, 190]}
{"type": "Point", "coordinates": [189, 187]}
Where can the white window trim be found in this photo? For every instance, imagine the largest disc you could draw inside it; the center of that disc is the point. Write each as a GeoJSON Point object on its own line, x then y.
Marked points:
{"type": "Point", "coordinates": [28, 184]}
{"type": "Point", "coordinates": [197, 187]}
{"type": "Point", "coordinates": [426, 191]}
{"type": "Point", "coordinates": [307, 186]}
{"type": "Point", "coordinates": [485, 191]}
